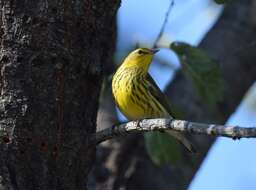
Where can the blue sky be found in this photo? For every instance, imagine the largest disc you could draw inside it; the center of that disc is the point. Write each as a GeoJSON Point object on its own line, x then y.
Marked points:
{"type": "Point", "coordinates": [229, 164]}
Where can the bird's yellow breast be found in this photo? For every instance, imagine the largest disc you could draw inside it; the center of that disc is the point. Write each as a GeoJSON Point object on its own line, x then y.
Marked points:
{"type": "Point", "coordinates": [129, 105]}
{"type": "Point", "coordinates": [133, 98]}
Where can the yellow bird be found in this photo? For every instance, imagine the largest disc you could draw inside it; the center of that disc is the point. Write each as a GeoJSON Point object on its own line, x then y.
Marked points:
{"type": "Point", "coordinates": [136, 93]}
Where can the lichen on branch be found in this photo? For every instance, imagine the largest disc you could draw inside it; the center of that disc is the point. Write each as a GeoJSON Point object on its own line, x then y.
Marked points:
{"type": "Point", "coordinates": [162, 124]}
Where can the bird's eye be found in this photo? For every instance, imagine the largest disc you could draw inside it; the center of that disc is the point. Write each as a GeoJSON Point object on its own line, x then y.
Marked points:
{"type": "Point", "coordinates": [140, 52]}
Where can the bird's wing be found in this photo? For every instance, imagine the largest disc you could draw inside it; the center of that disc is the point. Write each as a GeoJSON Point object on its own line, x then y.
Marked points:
{"type": "Point", "coordinates": [159, 95]}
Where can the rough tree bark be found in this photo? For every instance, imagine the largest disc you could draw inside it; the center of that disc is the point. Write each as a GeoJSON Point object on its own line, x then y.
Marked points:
{"type": "Point", "coordinates": [53, 54]}
{"type": "Point", "coordinates": [124, 164]}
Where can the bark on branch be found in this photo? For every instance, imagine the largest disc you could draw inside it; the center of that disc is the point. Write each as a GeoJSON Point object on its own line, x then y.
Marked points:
{"type": "Point", "coordinates": [162, 124]}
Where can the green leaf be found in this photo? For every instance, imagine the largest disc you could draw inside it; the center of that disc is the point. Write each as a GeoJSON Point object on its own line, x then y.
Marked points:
{"type": "Point", "coordinates": [162, 148]}
{"type": "Point", "coordinates": [202, 70]}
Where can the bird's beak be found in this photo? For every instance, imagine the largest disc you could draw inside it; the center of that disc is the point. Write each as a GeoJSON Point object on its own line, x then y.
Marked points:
{"type": "Point", "coordinates": [153, 51]}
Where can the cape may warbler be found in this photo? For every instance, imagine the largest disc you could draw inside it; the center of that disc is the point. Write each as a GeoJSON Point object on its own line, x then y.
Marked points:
{"type": "Point", "coordinates": [136, 93]}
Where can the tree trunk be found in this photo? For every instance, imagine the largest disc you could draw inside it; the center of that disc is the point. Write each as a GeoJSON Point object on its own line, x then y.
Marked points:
{"type": "Point", "coordinates": [125, 164]}
{"type": "Point", "coordinates": [53, 54]}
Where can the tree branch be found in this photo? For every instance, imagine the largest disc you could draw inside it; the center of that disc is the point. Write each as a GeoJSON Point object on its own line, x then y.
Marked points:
{"type": "Point", "coordinates": [164, 24]}
{"type": "Point", "coordinates": [161, 124]}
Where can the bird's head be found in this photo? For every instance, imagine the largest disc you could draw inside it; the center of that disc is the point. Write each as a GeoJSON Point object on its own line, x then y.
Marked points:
{"type": "Point", "coordinates": [140, 58]}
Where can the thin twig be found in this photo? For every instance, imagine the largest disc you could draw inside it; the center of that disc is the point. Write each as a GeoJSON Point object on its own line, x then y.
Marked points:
{"type": "Point", "coordinates": [160, 124]}
{"type": "Point", "coordinates": [164, 23]}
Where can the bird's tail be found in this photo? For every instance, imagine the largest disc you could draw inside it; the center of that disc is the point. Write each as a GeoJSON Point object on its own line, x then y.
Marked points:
{"type": "Point", "coordinates": [183, 140]}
